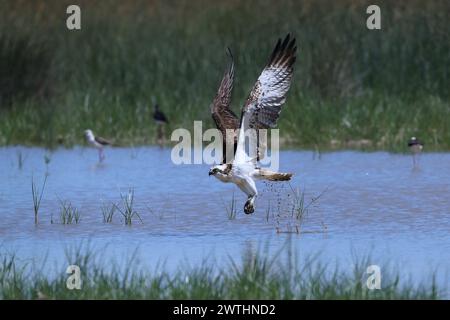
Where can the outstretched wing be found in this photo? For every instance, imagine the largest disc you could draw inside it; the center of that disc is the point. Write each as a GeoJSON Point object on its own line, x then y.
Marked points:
{"type": "Point", "coordinates": [221, 113]}
{"type": "Point", "coordinates": [263, 106]}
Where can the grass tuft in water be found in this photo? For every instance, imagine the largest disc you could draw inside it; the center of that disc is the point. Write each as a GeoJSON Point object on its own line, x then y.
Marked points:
{"type": "Point", "coordinates": [47, 160]}
{"type": "Point", "coordinates": [108, 212]}
{"type": "Point", "coordinates": [68, 213]}
{"type": "Point", "coordinates": [231, 209]}
{"type": "Point", "coordinates": [290, 209]}
{"type": "Point", "coordinates": [20, 159]}
{"type": "Point", "coordinates": [299, 209]}
{"type": "Point", "coordinates": [127, 211]}
{"type": "Point", "coordinates": [37, 197]}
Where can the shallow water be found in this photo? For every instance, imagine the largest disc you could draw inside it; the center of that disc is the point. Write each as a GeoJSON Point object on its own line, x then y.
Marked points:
{"type": "Point", "coordinates": [371, 203]}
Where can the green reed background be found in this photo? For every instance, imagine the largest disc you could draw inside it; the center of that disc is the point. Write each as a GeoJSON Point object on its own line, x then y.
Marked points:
{"type": "Point", "coordinates": [352, 87]}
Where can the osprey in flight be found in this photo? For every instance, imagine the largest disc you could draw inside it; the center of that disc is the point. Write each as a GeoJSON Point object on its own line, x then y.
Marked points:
{"type": "Point", "coordinates": [261, 111]}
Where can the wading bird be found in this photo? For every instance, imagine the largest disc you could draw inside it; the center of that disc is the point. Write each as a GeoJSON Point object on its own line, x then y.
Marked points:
{"type": "Point", "coordinates": [161, 120]}
{"type": "Point", "coordinates": [416, 146]}
{"type": "Point", "coordinates": [97, 142]}
{"type": "Point", "coordinates": [261, 111]}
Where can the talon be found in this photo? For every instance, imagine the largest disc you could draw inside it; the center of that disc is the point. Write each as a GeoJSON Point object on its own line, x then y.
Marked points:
{"type": "Point", "coordinates": [249, 208]}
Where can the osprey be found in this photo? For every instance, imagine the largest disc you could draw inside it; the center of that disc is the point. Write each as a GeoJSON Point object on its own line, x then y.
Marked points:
{"type": "Point", "coordinates": [97, 142]}
{"type": "Point", "coordinates": [261, 111]}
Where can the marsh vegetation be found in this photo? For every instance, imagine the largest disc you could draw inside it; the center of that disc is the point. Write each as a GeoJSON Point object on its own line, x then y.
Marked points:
{"type": "Point", "coordinates": [257, 275]}
{"type": "Point", "coordinates": [353, 88]}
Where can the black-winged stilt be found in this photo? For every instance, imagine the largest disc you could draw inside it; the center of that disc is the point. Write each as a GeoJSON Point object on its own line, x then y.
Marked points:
{"type": "Point", "coordinates": [97, 142]}
{"type": "Point", "coordinates": [161, 120]}
{"type": "Point", "coordinates": [416, 146]}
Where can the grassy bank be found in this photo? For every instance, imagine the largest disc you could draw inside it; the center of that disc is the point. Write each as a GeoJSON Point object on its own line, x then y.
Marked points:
{"type": "Point", "coordinates": [352, 88]}
{"type": "Point", "coordinates": [256, 276]}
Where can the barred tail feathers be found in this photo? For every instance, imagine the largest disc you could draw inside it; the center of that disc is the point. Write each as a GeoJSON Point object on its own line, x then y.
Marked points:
{"type": "Point", "coordinates": [273, 176]}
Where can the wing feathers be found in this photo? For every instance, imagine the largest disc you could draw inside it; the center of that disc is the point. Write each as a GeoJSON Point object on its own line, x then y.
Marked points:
{"type": "Point", "coordinates": [223, 96]}
{"type": "Point", "coordinates": [102, 141]}
{"type": "Point", "coordinates": [264, 103]}
{"type": "Point", "coordinates": [284, 53]}
{"type": "Point", "coordinates": [263, 106]}
{"type": "Point", "coordinates": [222, 115]}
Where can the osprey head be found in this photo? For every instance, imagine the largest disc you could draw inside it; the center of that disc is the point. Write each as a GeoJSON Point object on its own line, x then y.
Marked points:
{"type": "Point", "coordinates": [220, 171]}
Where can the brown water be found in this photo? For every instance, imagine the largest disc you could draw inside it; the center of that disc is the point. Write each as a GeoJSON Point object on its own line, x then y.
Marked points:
{"type": "Point", "coordinates": [371, 203]}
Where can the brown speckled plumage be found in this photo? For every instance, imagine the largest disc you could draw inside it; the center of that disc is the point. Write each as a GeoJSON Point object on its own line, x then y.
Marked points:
{"type": "Point", "coordinates": [263, 105]}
